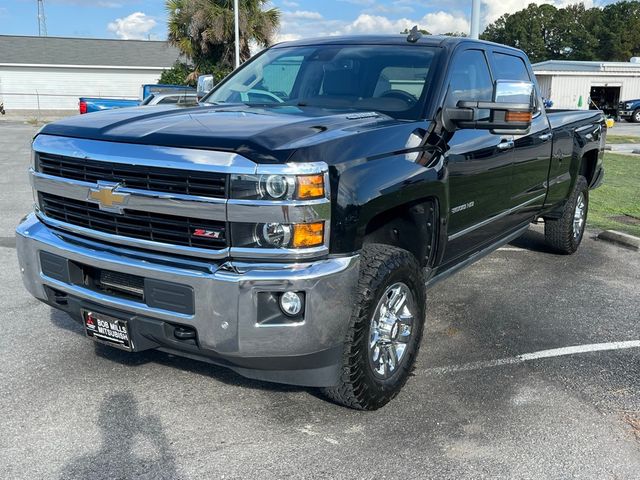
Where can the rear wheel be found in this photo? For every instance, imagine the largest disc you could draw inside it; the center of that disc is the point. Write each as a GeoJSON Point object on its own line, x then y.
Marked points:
{"type": "Point", "coordinates": [565, 234]}
{"type": "Point", "coordinates": [385, 329]}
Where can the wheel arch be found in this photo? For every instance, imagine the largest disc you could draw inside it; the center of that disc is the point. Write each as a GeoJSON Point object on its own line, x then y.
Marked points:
{"type": "Point", "coordinates": [412, 226]}
{"type": "Point", "coordinates": [588, 165]}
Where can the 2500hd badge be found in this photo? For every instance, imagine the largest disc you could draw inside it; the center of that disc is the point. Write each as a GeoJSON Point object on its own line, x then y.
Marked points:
{"type": "Point", "coordinates": [289, 226]}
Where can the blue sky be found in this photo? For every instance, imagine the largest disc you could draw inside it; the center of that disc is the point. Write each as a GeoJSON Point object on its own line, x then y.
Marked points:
{"type": "Point", "coordinates": [300, 18]}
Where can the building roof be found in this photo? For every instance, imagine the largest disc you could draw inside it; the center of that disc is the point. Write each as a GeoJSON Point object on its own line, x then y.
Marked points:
{"type": "Point", "coordinates": [86, 51]}
{"type": "Point", "coordinates": [569, 66]}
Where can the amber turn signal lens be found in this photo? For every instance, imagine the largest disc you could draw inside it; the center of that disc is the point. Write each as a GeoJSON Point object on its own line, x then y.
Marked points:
{"type": "Point", "coordinates": [518, 116]}
{"type": "Point", "coordinates": [307, 235]}
{"type": "Point", "coordinates": [310, 186]}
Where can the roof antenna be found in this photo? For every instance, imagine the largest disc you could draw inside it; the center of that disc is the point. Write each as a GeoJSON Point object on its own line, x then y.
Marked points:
{"type": "Point", "coordinates": [414, 35]}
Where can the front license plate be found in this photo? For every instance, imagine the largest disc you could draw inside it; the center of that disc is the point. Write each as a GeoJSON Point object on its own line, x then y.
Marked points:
{"type": "Point", "coordinates": [107, 329]}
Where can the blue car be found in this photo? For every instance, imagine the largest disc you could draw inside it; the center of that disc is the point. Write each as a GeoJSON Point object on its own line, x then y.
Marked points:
{"type": "Point", "coordinates": [94, 104]}
{"type": "Point", "coordinates": [629, 110]}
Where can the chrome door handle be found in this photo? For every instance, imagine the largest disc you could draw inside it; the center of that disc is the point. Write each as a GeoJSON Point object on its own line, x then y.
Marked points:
{"type": "Point", "coordinates": [506, 144]}
{"type": "Point", "coordinates": [546, 136]}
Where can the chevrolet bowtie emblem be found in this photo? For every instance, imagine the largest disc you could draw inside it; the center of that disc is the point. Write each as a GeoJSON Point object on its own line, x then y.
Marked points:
{"type": "Point", "coordinates": [106, 196]}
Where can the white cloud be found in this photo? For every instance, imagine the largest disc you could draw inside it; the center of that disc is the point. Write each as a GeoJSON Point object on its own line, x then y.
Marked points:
{"type": "Point", "coordinates": [290, 4]}
{"type": "Point", "coordinates": [134, 27]}
{"type": "Point", "coordinates": [288, 37]}
{"type": "Point", "coordinates": [395, 8]}
{"type": "Point", "coordinates": [305, 26]}
{"type": "Point", "coordinates": [303, 14]}
{"type": "Point", "coordinates": [439, 22]}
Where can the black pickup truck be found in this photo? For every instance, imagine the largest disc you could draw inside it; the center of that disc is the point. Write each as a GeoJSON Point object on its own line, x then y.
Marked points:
{"type": "Point", "coordinates": [287, 227]}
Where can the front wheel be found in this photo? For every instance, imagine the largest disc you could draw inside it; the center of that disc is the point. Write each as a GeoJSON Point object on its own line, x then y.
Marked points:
{"type": "Point", "coordinates": [385, 329]}
{"type": "Point", "coordinates": [636, 116]}
{"type": "Point", "coordinates": [565, 233]}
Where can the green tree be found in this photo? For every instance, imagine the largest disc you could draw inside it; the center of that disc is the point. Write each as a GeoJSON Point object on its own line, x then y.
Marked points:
{"type": "Point", "coordinates": [531, 30]}
{"type": "Point", "coordinates": [177, 75]}
{"type": "Point", "coordinates": [571, 33]}
{"type": "Point", "coordinates": [620, 37]}
{"type": "Point", "coordinates": [203, 30]}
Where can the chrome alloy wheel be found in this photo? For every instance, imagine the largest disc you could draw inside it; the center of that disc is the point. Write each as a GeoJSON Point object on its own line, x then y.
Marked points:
{"type": "Point", "coordinates": [390, 330]}
{"type": "Point", "coordinates": [579, 216]}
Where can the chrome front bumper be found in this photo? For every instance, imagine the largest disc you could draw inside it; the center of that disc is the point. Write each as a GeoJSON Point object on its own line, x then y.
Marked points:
{"type": "Point", "coordinates": [225, 303]}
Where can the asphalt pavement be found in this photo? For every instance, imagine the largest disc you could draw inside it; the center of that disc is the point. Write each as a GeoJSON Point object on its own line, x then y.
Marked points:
{"type": "Point", "coordinates": [475, 408]}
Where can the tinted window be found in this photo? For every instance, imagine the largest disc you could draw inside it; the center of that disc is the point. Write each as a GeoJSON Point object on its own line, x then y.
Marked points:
{"type": "Point", "coordinates": [386, 79]}
{"type": "Point", "coordinates": [508, 67]}
{"type": "Point", "coordinates": [279, 76]}
{"type": "Point", "coordinates": [169, 100]}
{"type": "Point", "coordinates": [404, 79]}
{"type": "Point", "coordinates": [470, 80]}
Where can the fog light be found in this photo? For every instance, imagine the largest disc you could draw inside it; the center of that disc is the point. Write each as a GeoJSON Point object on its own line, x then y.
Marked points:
{"type": "Point", "coordinates": [291, 303]}
{"type": "Point", "coordinates": [276, 234]}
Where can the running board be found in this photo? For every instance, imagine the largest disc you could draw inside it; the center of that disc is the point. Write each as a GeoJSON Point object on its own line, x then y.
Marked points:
{"type": "Point", "coordinates": [476, 256]}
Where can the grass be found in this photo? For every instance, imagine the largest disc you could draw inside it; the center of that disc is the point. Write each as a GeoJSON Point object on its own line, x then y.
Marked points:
{"type": "Point", "coordinates": [618, 196]}
{"type": "Point", "coordinates": [622, 139]}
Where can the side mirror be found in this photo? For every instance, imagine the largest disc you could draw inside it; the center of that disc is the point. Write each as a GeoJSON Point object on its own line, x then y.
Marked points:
{"type": "Point", "coordinates": [205, 85]}
{"type": "Point", "coordinates": [510, 112]}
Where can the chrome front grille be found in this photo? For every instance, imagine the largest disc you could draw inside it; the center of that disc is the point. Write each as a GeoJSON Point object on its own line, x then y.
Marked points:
{"type": "Point", "coordinates": [158, 179]}
{"type": "Point", "coordinates": [170, 200]}
{"type": "Point", "coordinates": [155, 227]}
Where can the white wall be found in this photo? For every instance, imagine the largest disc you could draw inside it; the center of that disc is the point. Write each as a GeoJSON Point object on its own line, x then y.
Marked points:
{"type": "Point", "coordinates": [565, 90]}
{"type": "Point", "coordinates": [58, 88]}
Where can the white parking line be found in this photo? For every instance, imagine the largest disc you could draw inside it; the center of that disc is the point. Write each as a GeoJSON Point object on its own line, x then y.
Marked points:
{"type": "Point", "coordinates": [512, 249]}
{"type": "Point", "coordinates": [526, 357]}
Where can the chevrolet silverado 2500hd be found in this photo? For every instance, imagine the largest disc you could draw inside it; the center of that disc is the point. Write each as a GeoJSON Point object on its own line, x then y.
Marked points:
{"type": "Point", "coordinates": [287, 227]}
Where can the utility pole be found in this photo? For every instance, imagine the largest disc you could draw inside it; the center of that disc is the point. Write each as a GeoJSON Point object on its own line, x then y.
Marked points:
{"type": "Point", "coordinates": [236, 22]}
{"type": "Point", "coordinates": [42, 20]}
{"type": "Point", "coordinates": [475, 19]}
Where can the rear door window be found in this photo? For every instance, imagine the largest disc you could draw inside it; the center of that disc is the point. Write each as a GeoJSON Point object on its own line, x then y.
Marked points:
{"type": "Point", "coordinates": [509, 67]}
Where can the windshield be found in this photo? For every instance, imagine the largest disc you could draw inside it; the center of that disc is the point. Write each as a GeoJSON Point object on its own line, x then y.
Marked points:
{"type": "Point", "coordinates": [386, 79]}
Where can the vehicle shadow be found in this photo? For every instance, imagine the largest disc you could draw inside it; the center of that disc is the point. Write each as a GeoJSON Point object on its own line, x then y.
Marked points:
{"type": "Point", "coordinates": [533, 240]}
{"type": "Point", "coordinates": [134, 359]}
{"type": "Point", "coordinates": [131, 445]}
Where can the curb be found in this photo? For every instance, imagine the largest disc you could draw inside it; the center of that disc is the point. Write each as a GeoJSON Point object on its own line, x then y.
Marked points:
{"type": "Point", "coordinates": [613, 236]}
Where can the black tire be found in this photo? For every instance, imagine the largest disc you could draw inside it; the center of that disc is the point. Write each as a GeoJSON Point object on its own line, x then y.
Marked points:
{"type": "Point", "coordinates": [381, 268]}
{"type": "Point", "coordinates": [635, 118]}
{"type": "Point", "coordinates": [561, 233]}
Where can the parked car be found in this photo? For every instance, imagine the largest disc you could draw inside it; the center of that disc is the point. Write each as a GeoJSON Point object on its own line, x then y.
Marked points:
{"type": "Point", "coordinates": [90, 105]}
{"type": "Point", "coordinates": [97, 104]}
{"type": "Point", "coordinates": [289, 234]}
{"type": "Point", "coordinates": [180, 99]}
{"type": "Point", "coordinates": [629, 110]}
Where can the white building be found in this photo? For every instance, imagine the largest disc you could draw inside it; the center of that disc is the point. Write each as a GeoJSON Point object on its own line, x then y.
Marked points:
{"type": "Point", "coordinates": [50, 73]}
{"type": "Point", "coordinates": [574, 84]}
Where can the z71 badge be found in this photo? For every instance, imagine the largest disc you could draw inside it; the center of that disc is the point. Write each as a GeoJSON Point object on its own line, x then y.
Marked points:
{"type": "Point", "coordinates": [462, 207]}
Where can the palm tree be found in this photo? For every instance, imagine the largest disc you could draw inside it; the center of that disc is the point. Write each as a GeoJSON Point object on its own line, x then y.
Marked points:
{"type": "Point", "coordinates": [203, 30]}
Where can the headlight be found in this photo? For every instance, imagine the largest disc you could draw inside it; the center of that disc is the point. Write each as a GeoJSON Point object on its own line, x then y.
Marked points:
{"type": "Point", "coordinates": [277, 235]}
{"type": "Point", "coordinates": [277, 187]}
{"type": "Point", "coordinates": [628, 105]}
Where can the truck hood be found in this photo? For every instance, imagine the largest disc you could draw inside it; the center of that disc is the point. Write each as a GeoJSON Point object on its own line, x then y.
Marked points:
{"type": "Point", "coordinates": [265, 135]}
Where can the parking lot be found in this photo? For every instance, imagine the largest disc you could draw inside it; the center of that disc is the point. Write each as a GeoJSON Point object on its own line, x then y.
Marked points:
{"type": "Point", "coordinates": [473, 409]}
